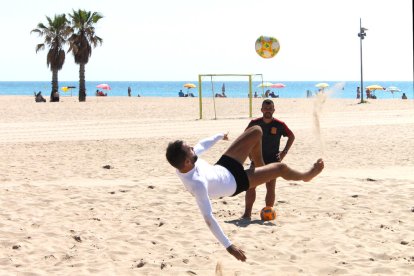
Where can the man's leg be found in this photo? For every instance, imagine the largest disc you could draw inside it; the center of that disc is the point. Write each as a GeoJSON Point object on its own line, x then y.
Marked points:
{"type": "Point", "coordinates": [272, 171]}
{"type": "Point", "coordinates": [249, 199]}
{"type": "Point", "coordinates": [270, 193]}
{"type": "Point", "coordinates": [248, 143]}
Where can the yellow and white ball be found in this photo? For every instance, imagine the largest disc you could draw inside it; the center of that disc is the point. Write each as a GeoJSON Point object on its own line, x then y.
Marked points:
{"type": "Point", "coordinates": [267, 213]}
{"type": "Point", "coordinates": [267, 46]}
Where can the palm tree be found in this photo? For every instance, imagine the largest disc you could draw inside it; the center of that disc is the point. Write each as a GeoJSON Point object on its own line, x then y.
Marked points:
{"type": "Point", "coordinates": [80, 42]}
{"type": "Point", "coordinates": [55, 35]}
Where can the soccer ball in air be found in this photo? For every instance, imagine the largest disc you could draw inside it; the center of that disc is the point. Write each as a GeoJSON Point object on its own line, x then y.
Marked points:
{"type": "Point", "coordinates": [267, 46]}
{"type": "Point", "coordinates": [267, 213]}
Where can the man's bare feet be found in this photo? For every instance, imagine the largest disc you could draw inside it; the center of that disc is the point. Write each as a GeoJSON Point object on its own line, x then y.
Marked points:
{"type": "Point", "coordinates": [316, 169]}
{"type": "Point", "coordinates": [246, 217]}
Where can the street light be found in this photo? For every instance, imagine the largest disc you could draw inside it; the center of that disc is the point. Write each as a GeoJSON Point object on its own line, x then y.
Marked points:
{"type": "Point", "coordinates": [361, 36]}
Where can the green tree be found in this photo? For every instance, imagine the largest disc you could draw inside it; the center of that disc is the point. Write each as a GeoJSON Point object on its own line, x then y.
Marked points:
{"type": "Point", "coordinates": [81, 41]}
{"type": "Point", "coordinates": [55, 37]}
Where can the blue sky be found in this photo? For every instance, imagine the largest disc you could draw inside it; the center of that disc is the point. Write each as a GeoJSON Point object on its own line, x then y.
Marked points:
{"type": "Point", "coordinates": [177, 40]}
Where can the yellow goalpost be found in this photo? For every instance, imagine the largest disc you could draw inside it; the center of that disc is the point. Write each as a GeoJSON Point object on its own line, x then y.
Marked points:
{"type": "Point", "coordinates": [200, 89]}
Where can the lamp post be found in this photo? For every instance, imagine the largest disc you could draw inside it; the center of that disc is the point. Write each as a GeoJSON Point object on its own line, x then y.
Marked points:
{"type": "Point", "coordinates": [361, 35]}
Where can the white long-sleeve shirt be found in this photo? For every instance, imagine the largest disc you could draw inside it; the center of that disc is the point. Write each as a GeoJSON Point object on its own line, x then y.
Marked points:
{"type": "Point", "coordinates": [206, 181]}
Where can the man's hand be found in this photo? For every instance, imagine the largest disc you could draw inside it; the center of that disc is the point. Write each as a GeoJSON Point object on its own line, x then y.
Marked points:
{"type": "Point", "coordinates": [236, 252]}
{"type": "Point", "coordinates": [281, 155]}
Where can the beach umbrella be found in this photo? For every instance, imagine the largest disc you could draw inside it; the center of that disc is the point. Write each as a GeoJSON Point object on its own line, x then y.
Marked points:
{"type": "Point", "coordinates": [278, 85]}
{"type": "Point", "coordinates": [375, 87]}
{"type": "Point", "coordinates": [104, 86]}
{"type": "Point", "coordinates": [322, 85]}
{"type": "Point", "coordinates": [393, 89]}
{"type": "Point", "coordinates": [67, 89]}
{"type": "Point", "coordinates": [265, 84]}
{"type": "Point", "coordinates": [190, 85]}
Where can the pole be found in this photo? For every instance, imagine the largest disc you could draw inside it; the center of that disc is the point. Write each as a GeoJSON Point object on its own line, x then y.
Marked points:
{"type": "Point", "coordinates": [250, 96]}
{"type": "Point", "coordinates": [200, 97]}
{"type": "Point", "coordinates": [360, 50]}
{"type": "Point", "coordinates": [214, 96]}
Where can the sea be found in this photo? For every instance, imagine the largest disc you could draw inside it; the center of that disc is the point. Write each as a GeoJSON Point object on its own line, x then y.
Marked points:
{"type": "Point", "coordinates": [233, 89]}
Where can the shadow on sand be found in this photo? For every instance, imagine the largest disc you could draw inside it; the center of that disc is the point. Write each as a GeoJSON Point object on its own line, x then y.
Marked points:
{"type": "Point", "coordinates": [242, 222]}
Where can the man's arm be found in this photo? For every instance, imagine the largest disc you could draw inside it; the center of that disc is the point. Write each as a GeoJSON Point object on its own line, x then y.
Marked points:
{"type": "Point", "coordinates": [205, 207]}
{"type": "Point", "coordinates": [207, 143]}
{"type": "Point", "coordinates": [204, 204]}
{"type": "Point", "coordinates": [291, 139]}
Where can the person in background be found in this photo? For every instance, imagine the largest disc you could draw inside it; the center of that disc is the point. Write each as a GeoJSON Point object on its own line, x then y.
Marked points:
{"type": "Point", "coordinates": [273, 95]}
{"type": "Point", "coordinates": [404, 97]}
{"type": "Point", "coordinates": [358, 93]}
{"type": "Point", "coordinates": [368, 93]}
{"type": "Point", "coordinates": [39, 98]}
{"type": "Point", "coordinates": [273, 130]}
{"type": "Point", "coordinates": [181, 94]}
{"type": "Point", "coordinates": [129, 91]}
{"type": "Point", "coordinates": [100, 93]}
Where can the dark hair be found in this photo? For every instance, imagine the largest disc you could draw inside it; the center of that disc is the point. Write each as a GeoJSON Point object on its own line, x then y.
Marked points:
{"type": "Point", "coordinates": [267, 101]}
{"type": "Point", "coordinates": [175, 154]}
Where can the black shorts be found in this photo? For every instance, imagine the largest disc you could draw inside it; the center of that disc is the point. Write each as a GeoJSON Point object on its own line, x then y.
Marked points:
{"type": "Point", "coordinates": [237, 170]}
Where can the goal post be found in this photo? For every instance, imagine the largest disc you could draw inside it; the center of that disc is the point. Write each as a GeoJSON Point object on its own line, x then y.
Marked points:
{"type": "Point", "coordinates": [250, 89]}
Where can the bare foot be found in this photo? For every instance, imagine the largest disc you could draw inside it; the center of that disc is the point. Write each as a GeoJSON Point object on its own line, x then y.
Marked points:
{"type": "Point", "coordinates": [246, 217]}
{"type": "Point", "coordinates": [316, 169]}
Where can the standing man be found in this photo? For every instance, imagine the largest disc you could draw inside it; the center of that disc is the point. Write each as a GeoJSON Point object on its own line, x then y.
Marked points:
{"type": "Point", "coordinates": [273, 130]}
{"type": "Point", "coordinates": [129, 91]}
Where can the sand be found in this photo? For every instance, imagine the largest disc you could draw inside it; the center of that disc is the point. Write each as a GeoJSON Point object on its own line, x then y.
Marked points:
{"type": "Point", "coordinates": [63, 213]}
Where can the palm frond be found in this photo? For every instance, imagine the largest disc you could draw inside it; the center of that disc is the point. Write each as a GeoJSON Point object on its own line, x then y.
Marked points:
{"type": "Point", "coordinates": [55, 35]}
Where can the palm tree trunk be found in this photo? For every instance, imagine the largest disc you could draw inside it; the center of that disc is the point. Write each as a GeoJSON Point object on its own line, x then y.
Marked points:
{"type": "Point", "coordinates": [82, 89]}
{"type": "Point", "coordinates": [54, 82]}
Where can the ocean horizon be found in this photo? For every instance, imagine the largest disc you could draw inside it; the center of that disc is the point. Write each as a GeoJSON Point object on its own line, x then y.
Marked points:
{"type": "Point", "coordinates": [233, 89]}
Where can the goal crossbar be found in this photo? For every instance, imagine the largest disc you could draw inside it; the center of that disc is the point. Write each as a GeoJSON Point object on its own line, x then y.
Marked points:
{"type": "Point", "coordinates": [200, 89]}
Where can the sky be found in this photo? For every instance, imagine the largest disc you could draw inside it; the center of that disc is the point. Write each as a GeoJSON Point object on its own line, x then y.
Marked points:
{"type": "Point", "coordinates": [175, 40]}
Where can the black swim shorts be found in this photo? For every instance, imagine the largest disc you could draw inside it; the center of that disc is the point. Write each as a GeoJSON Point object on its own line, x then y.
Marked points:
{"type": "Point", "coordinates": [237, 170]}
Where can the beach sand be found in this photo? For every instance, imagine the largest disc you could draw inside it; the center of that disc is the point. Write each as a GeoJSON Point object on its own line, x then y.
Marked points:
{"type": "Point", "coordinates": [62, 213]}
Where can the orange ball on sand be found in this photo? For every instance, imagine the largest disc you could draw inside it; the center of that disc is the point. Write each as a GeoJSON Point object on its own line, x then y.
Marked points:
{"type": "Point", "coordinates": [267, 213]}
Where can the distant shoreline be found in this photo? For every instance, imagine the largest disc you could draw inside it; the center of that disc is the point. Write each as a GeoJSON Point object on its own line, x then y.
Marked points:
{"type": "Point", "coordinates": [233, 89]}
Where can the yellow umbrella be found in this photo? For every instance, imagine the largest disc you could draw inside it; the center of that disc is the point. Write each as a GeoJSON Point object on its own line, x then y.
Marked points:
{"type": "Point", "coordinates": [67, 89]}
{"type": "Point", "coordinates": [265, 84]}
{"type": "Point", "coordinates": [322, 85]}
{"type": "Point", "coordinates": [375, 87]}
{"type": "Point", "coordinates": [190, 85]}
